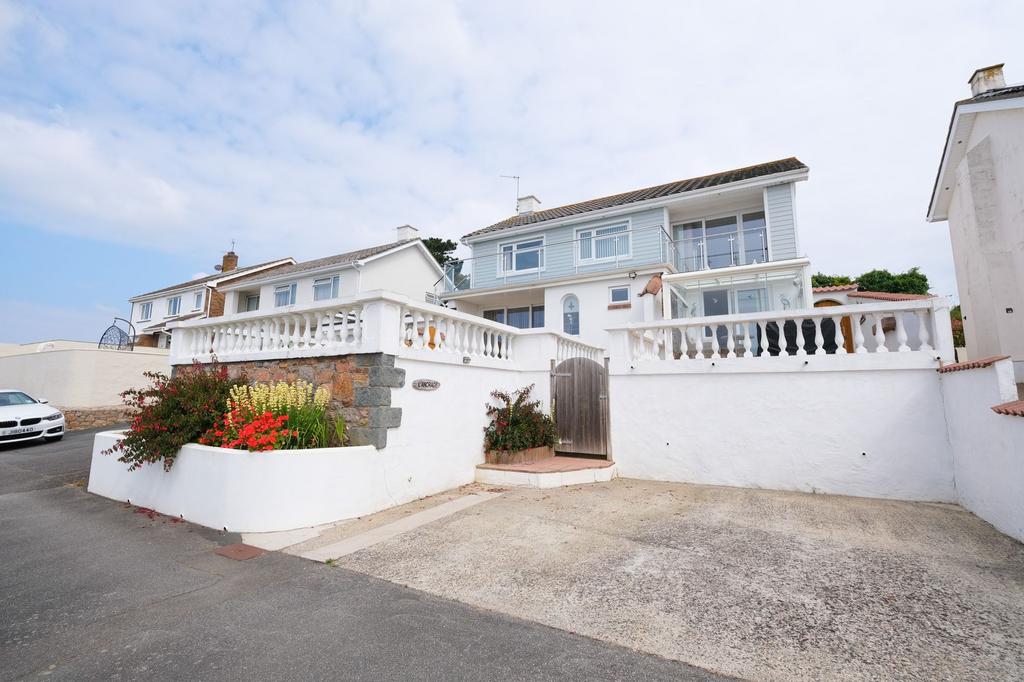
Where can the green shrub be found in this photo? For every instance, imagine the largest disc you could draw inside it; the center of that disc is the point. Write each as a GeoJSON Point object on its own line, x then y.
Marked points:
{"type": "Point", "coordinates": [171, 412]}
{"type": "Point", "coordinates": [517, 422]}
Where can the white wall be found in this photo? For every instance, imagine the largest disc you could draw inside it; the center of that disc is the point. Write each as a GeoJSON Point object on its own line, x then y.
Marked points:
{"type": "Point", "coordinates": [595, 317]}
{"type": "Point", "coordinates": [81, 377]}
{"type": "Point", "coordinates": [988, 448]}
{"type": "Point", "coordinates": [409, 272]}
{"type": "Point", "coordinates": [159, 313]}
{"type": "Point", "coordinates": [877, 433]}
{"type": "Point", "coordinates": [986, 222]}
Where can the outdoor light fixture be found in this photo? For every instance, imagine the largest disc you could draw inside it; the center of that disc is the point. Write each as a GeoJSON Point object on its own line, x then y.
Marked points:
{"type": "Point", "coordinates": [632, 274]}
{"type": "Point", "coordinates": [466, 359]}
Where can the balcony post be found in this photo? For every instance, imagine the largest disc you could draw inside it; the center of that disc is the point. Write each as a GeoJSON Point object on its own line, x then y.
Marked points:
{"type": "Point", "coordinates": [943, 330]}
{"type": "Point", "coordinates": [382, 326]}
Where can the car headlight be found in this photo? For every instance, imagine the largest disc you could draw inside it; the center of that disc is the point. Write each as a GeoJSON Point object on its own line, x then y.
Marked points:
{"type": "Point", "coordinates": [53, 417]}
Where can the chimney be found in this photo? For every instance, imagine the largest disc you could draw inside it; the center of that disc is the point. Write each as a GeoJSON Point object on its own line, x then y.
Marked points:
{"type": "Point", "coordinates": [987, 78]}
{"type": "Point", "coordinates": [407, 232]}
{"type": "Point", "coordinates": [527, 204]}
{"type": "Point", "coordinates": [229, 262]}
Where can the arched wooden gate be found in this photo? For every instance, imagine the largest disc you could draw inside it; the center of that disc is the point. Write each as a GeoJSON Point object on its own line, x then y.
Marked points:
{"type": "Point", "coordinates": [579, 392]}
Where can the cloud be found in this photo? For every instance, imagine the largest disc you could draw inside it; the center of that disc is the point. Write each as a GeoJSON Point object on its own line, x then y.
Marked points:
{"type": "Point", "coordinates": [307, 128]}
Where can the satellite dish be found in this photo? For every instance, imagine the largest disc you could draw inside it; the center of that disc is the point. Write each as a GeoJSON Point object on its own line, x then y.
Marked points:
{"type": "Point", "coordinates": [218, 268]}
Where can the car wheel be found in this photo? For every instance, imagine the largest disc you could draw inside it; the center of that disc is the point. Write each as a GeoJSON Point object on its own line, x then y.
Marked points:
{"type": "Point", "coordinates": [53, 439]}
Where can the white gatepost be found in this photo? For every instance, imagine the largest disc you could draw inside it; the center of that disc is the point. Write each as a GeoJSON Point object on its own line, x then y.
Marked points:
{"type": "Point", "coordinates": [382, 326]}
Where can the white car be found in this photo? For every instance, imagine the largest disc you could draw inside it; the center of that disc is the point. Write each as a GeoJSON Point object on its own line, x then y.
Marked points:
{"type": "Point", "coordinates": [22, 417]}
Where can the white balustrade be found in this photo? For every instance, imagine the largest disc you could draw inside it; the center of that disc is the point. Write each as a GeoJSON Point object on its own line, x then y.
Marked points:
{"type": "Point", "coordinates": [567, 347]}
{"type": "Point", "coordinates": [897, 327]}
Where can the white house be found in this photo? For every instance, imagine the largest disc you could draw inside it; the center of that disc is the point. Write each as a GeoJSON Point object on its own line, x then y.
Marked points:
{"type": "Point", "coordinates": [978, 191]}
{"type": "Point", "coordinates": [403, 266]}
{"type": "Point", "coordinates": [724, 243]}
{"type": "Point", "coordinates": [151, 312]}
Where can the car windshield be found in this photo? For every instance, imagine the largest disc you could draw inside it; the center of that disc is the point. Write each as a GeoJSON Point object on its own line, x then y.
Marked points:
{"type": "Point", "coordinates": [8, 398]}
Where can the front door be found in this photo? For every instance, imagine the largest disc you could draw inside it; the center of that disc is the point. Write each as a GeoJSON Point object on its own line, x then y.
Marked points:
{"type": "Point", "coordinates": [579, 391]}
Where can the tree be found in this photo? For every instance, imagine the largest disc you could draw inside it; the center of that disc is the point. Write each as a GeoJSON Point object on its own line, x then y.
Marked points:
{"type": "Point", "coordinates": [440, 249]}
{"type": "Point", "coordinates": [913, 281]}
{"type": "Point", "coordinates": [821, 280]}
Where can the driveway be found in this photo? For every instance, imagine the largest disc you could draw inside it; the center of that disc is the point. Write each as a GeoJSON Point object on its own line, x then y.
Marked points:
{"type": "Point", "coordinates": [93, 589]}
{"type": "Point", "coordinates": [756, 584]}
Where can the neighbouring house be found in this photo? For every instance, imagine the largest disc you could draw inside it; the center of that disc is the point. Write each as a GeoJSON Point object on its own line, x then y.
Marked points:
{"type": "Point", "coordinates": [403, 266]}
{"type": "Point", "coordinates": [850, 294]}
{"type": "Point", "coordinates": [978, 191]}
{"type": "Point", "coordinates": [719, 244]}
{"type": "Point", "coordinates": [151, 312]}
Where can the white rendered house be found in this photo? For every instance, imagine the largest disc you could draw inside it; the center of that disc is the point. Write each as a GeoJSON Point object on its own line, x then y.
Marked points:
{"type": "Point", "coordinates": [723, 244]}
{"type": "Point", "coordinates": [978, 191]}
{"type": "Point", "coordinates": [403, 266]}
{"type": "Point", "coordinates": [198, 298]}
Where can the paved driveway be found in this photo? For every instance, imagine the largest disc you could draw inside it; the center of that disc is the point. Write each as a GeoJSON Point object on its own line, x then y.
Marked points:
{"type": "Point", "coordinates": [91, 589]}
{"type": "Point", "coordinates": [751, 583]}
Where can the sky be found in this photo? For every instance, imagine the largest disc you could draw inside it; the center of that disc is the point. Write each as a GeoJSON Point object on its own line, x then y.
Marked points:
{"type": "Point", "coordinates": [137, 140]}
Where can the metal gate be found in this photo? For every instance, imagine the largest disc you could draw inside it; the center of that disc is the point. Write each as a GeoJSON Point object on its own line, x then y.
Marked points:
{"type": "Point", "coordinates": [579, 391]}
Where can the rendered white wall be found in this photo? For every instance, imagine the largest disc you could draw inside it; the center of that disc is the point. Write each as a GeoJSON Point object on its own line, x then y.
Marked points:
{"type": "Point", "coordinates": [407, 272]}
{"type": "Point", "coordinates": [878, 433]}
{"type": "Point", "coordinates": [988, 448]}
{"type": "Point", "coordinates": [81, 377]}
{"type": "Point", "coordinates": [595, 317]}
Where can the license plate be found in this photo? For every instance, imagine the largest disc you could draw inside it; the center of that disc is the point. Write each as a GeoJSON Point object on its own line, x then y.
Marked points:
{"type": "Point", "coordinates": [22, 429]}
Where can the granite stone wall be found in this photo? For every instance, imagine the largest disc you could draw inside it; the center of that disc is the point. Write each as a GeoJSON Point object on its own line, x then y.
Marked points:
{"type": "Point", "coordinates": [94, 417]}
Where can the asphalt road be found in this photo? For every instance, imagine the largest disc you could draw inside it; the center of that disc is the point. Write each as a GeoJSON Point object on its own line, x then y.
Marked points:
{"type": "Point", "coordinates": [91, 588]}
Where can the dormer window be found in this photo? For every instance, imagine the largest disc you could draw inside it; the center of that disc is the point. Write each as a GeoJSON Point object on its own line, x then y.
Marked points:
{"type": "Point", "coordinates": [284, 294]}
{"type": "Point", "coordinates": [326, 288]}
{"type": "Point", "coordinates": [173, 306]}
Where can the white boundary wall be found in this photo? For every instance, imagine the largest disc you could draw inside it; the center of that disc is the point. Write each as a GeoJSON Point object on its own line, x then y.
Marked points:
{"type": "Point", "coordinates": [988, 448]}
{"type": "Point", "coordinates": [871, 433]}
{"type": "Point", "coordinates": [80, 377]}
{"type": "Point", "coordinates": [436, 448]}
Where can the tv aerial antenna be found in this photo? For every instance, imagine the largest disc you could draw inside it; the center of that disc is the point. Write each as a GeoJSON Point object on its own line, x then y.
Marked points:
{"type": "Point", "coordinates": [516, 178]}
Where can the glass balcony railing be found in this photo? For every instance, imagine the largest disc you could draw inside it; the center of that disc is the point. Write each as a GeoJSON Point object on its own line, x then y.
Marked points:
{"type": "Point", "coordinates": [722, 251]}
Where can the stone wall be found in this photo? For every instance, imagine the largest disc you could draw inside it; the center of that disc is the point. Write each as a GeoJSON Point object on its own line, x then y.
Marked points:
{"type": "Point", "coordinates": [360, 388]}
{"type": "Point", "coordinates": [93, 417]}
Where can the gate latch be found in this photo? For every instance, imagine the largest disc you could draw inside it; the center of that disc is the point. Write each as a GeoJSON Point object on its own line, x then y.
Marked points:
{"type": "Point", "coordinates": [561, 374]}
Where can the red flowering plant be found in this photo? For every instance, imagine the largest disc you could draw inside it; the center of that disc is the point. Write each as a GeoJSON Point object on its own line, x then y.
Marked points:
{"type": "Point", "coordinates": [246, 429]}
{"type": "Point", "coordinates": [171, 412]}
{"type": "Point", "coordinates": [518, 423]}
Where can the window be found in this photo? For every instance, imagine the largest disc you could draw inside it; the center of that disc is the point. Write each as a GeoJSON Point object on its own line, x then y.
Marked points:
{"type": "Point", "coordinates": [252, 302]}
{"type": "Point", "coordinates": [538, 317]}
{"type": "Point", "coordinates": [197, 303]}
{"type": "Point", "coordinates": [571, 315]}
{"type": "Point", "coordinates": [618, 294]}
{"type": "Point", "coordinates": [604, 243]}
{"type": "Point", "coordinates": [145, 311]}
{"type": "Point", "coordinates": [173, 305]}
{"type": "Point", "coordinates": [519, 317]}
{"type": "Point", "coordinates": [495, 315]}
{"type": "Point", "coordinates": [527, 256]}
{"type": "Point", "coordinates": [326, 288]}
{"type": "Point", "coordinates": [740, 239]}
{"type": "Point", "coordinates": [284, 294]}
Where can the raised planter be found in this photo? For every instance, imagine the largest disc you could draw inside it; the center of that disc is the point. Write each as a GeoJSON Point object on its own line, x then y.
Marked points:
{"type": "Point", "coordinates": [252, 491]}
{"type": "Point", "coordinates": [519, 456]}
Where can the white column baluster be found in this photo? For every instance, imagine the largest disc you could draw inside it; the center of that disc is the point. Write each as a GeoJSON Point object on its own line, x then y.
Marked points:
{"type": "Point", "coordinates": [840, 336]}
{"type": "Point", "coordinates": [783, 344]}
{"type": "Point", "coordinates": [730, 342]}
{"type": "Point", "coordinates": [819, 336]}
{"type": "Point", "coordinates": [801, 340]}
{"type": "Point", "coordinates": [923, 320]}
{"type": "Point", "coordinates": [901, 334]}
{"type": "Point", "coordinates": [858, 334]}
{"type": "Point", "coordinates": [879, 333]}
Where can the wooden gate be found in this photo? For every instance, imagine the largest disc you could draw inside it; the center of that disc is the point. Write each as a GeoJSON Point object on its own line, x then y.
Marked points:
{"type": "Point", "coordinates": [579, 391]}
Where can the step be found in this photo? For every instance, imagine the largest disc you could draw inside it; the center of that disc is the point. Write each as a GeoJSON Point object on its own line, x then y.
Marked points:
{"type": "Point", "coordinates": [552, 472]}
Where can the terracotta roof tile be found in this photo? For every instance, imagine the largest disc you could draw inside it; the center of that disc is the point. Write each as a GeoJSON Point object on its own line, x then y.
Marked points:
{"type": "Point", "coordinates": [973, 364]}
{"type": "Point", "coordinates": [837, 287]}
{"type": "Point", "coordinates": [886, 296]}
{"type": "Point", "coordinates": [656, 192]}
{"type": "Point", "coordinates": [1014, 408]}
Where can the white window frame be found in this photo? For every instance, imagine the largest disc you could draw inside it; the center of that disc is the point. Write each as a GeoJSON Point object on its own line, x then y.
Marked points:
{"type": "Point", "coordinates": [249, 297]}
{"type": "Point", "coordinates": [197, 300]}
{"type": "Point", "coordinates": [740, 236]}
{"type": "Point", "coordinates": [291, 288]}
{"type": "Point", "coordinates": [177, 306]}
{"type": "Point", "coordinates": [334, 281]}
{"type": "Point", "coordinates": [540, 256]}
{"type": "Point", "coordinates": [562, 314]}
{"type": "Point", "coordinates": [591, 232]}
{"type": "Point", "coordinates": [145, 311]}
{"type": "Point", "coordinates": [611, 296]}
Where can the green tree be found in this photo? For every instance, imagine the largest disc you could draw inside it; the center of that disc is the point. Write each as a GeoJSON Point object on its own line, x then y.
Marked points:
{"type": "Point", "coordinates": [956, 318]}
{"type": "Point", "coordinates": [913, 281]}
{"type": "Point", "coordinates": [440, 249]}
{"type": "Point", "coordinates": [822, 280]}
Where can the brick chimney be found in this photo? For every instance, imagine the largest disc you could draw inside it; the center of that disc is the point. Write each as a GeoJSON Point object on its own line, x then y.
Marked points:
{"type": "Point", "coordinates": [527, 204]}
{"type": "Point", "coordinates": [987, 78]}
{"type": "Point", "coordinates": [229, 262]}
{"type": "Point", "coordinates": [406, 232]}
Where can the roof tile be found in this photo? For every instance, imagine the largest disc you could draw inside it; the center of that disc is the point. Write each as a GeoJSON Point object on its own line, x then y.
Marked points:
{"type": "Point", "coordinates": [887, 296]}
{"type": "Point", "coordinates": [203, 280]}
{"type": "Point", "coordinates": [656, 192]}
{"type": "Point", "coordinates": [338, 259]}
{"type": "Point", "coordinates": [972, 364]}
{"type": "Point", "coordinates": [1014, 408]}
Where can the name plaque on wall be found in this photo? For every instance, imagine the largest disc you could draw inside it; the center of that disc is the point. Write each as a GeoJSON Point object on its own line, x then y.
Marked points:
{"type": "Point", "coordinates": [426, 384]}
